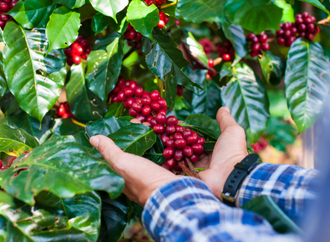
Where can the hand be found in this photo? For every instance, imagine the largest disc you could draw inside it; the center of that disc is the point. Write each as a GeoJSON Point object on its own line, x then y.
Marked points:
{"type": "Point", "coordinates": [229, 150]}
{"type": "Point", "coordinates": [141, 176]}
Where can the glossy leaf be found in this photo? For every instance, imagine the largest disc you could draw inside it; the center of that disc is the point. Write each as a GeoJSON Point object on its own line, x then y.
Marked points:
{"type": "Point", "coordinates": [15, 142]}
{"type": "Point", "coordinates": [316, 3]}
{"type": "Point", "coordinates": [288, 12]}
{"type": "Point", "coordinates": [63, 167]}
{"type": "Point", "coordinates": [142, 17]}
{"type": "Point", "coordinates": [66, 127]}
{"type": "Point", "coordinates": [236, 35]}
{"type": "Point", "coordinates": [32, 13]}
{"type": "Point", "coordinates": [203, 124]}
{"type": "Point", "coordinates": [206, 101]}
{"type": "Point", "coordinates": [62, 28]}
{"type": "Point", "coordinates": [134, 138]}
{"type": "Point", "coordinates": [102, 44]}
{"type": "Point", "coordinates": [256, 15]}
{"type": "Point", "coordinates": [35, 80]}
{"type": "Point", "coordinates": [3, 82]}
{"type": "Point", "coordinates": [272, 68]}
{"type": "Point", "coordinates": [115, 109]}
{"type": "Point", "coordinates": [179, 103]}
{"type": "Point", "coordinates": [155, 154]}
{"type": "Point", "coordinates": [246, 99]}
{"type": "Point", "coordinates": [104, 68]}
{"type": "Point", "coordinates": [196, 48]}
{"type": "Point", "coordinates": [278, 106]}
{"type": "Point", "coordinates": [109, 7]}
{"type": "Point", "coordinates": [71, 3]}
{"type": "Point", "coordinates": [100, 22]}
{"type": "Point", "coordinates": [78, 96]}
{"type": "Point", "coordinates": [198, 11]}
{"type": "Point", "coordinates": [307, 78]}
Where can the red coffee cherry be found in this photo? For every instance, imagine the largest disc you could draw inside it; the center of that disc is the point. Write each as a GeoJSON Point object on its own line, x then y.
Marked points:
{"type": "Point", "coordinates": [210, 63]}
{"type": "Point", "coordinates": [201, 141]}
{"type": "Point", "coordinates": [172, 120]}
{"type": "Point", "coordinates": [163, 137]}
{"type": "Point", "coordinates": [197, 148]}
{"type": "Point", "coordinates": [146, 94]}
{"type": "Point", "coordinates": [188, 151]}
{"type": "Point", "coordinates": [65, 116]}
{"type": "Point", "coordinates": [170, 163]}
{"type": "Point", "coordinates": [158, 128]}
{"type": "Point", "coordinates": [180, 143]}
{"type": "Point", "coordinates": [146, 100]}
{"type": "Point", "coordinates": [138, 92]}
{"type": "Point", "coordinates": [168, 153]}
{"type": "Point", "coordinates": [160, 118]}
{"type": "Point", "coordinates": [61, 110]}
{"type": "Point", "coordinates": [137, 107]}
{"type": "Point", "coordinates": [186, 133]}
{"type": "Point", "coordinates": [141, 118]}
{"type": "Point", "coordinates": [177, 22]}
{"type": "Point", "coordinates": [170, 143]}
{"type": "Point", "coordinates": [129, 92]}
{"type": "Point", "coordinates": [76, 59]}
{"type": "Point", "coordinates": [179, 129]}
{"type": "Point", "coordinates": [155, 106]}
{"type": "Point", "coordinates": [178, 155]}
{"type": "Point", "coordinates": [146, 111]}
{"type": "Point", "coordinates": [4, 7]}
{"type": "Point", "coordinates": [161, 24]}
{"type": "Point", "coordinates": [194, 158]}
{"type": "Point", "coordinates": [192, 140]}
{"type": "Point", "coordinates": [226, 57]}
{"type": "Point", "coordinates": [153, 122]}
{"type": "Point", "coordinates": [170, 129]}
{"type": "Point", "coordinates": [177, 136]}
{"type": "Point", "coordinates": [162, 103]}
{"type": "Point", "coordinates": [154, 95]}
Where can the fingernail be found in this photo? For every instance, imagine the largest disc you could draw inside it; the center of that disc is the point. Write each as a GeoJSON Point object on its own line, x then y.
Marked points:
{"type": "Point", "coordinates": [226, 109]}
{"type": "Point", "coordinates": [94, 141]}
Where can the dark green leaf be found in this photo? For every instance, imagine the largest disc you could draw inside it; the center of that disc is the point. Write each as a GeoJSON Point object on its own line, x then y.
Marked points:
{"type": "Point", "coordinates": [307, 78]}
{"type": "Point", "coordinates": [77, 95]}
{"type": "Point", "coordinates": [100, 22]}
{"type": "Point", "coordinates": [62, 28]}
{"type": "Point", "coordinates": [142, 17]}
{"type": "Point", "coordinates": [8, 103]}
{"type": "Point", "coordinates": [256, 15]}
{"type": "Point", "coordinates": [32, 13]}
{"type": "Point", "coordinates": [66, 127]}
{"type": "Point", "coordinates": [245, 96]}
{"type": "Point", "coordinates": [104, 68]}
{"type": "Point", "coordinates": [134, 138]}
{"type": "Point", "coordinates": [209, 145]}
{"type": "Point", "coordinates": [267, 208]}
{"type": "Point", "coordinates": [115, 109]}
{"type": "Point", "coordinates": [170, 92]}
{"type": "Point", "coordinates": [38, 83]}
{"type": "Point", "coordinates": [101, 44]}
{"type": "Point", "coordinates": [316, 3]}
{"type": "Point", "coordinates": [157, 158]}
{"type": "Point", "coordinates": [3, 82]}
{"type": "Point", "coordinates": [179, 104]}
{"type": "Point", "coordinates": [235, 34]}
{"type": "Point", "coordinates": [206, 101]}
{"type": "Point", "coordinates": [203, 124]}
{"type": "Point", "coordinates": [63, 167]}
{"type": "Point", "coordinates": [71, 3]}
{"type": "Point", "coordinates": [199, 11]}
{"type": "Point", "coordinates": [196, 48]}
{"type": "Point", "coordinates": [109, 7]}
{"type": "Point", "coordinates": [15, 142]}
{"type": "Point", "coordinates": [114, 218]}
{"type": "Point", "coordinates": [272, 68]}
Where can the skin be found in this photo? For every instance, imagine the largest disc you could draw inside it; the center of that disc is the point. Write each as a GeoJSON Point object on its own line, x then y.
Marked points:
{"type": "Point", "coordinates": [142, 176]}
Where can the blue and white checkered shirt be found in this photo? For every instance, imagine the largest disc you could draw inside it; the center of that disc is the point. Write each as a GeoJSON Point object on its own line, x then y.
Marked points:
{"type": "Point", "coordinates": [185, 209]}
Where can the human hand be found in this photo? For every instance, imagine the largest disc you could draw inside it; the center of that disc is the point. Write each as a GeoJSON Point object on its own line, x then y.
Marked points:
{"type": "Point", "coordinates": [141, 176]}
{"type": "Point", "coordinates": [229, 150]}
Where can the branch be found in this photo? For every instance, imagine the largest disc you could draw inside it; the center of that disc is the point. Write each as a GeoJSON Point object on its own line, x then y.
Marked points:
{"type": "Point", "coordinates": [192, 168]}
{"type": "Point", "coordinates": [186, 170]}
{"type": "Point", "coordinates": [168, 5]}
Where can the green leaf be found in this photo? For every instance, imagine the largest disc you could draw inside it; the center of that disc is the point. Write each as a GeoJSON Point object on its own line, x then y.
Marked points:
{"type": "Point", "coordinates": [278, 106]}
{"type": "Point", "coordinates": [142, 17]}
{"type": "Point", "coordinates": [32, 13]}
{"type": "Point", "coordinates": [134, 138]}
{"type": "Point", "coordinates": [102, 44]}
{"type": "Point", "coordinates": [198, 11]}
{"type": "Point", "coordinates": [115, 109]}
{"type": "Point", "coordinates": [316, 3]}
{"type": "Point", "coordinates": [272, 68]}
{"type": "Point", "coordinates": [62, 28]}
{"type": "Point", "coordinates": [66, 127]}
{"type": "Point", "coordinates": [206, 101]}
{"type": "Point", "coordinates": [306, 82]}
{"type": "Point", "coordinates": [256, 15]}
{"type": "Point", "coordinates": [155, 154]}
{"type": "Point", "coordinates": [3, 82]}
{"type": "Point", "coordinates": [179, 104]}
{"type": "Point", "coordinates": [78, 96]}
{"type": "Point", "coordinates": [288, 12]}
{"type": "Point", "coordinates": [196, 48]}
{"type": "Point", "coordinates": [203, 124]}
{"type": "Point", "coordinates": [63, 167]}
{"type": "Point", "coordinates": [39, 81]}
{"type": "Point", "coordinates": [104, 68]}
{"type": "Point", "coordinates": [236, 35]}
{"type": "Point", "coordinates": [100, 22]}
{"type": "Point", "coordinates": [15, 142]}
{"type": "Point", "coordinates": [71, 3]}
{"type": "Point", "coordinates": [114, 218]}
{"type": "Point", "coordinates": [109, 7]}
{"type": "Point", "coordinates": [247, 101]}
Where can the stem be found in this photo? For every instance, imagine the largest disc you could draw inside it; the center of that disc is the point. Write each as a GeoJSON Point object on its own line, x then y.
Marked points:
{"type": "Point", "coordinates": [324, 21]}
{"type": "Point", "coordinates": [78, 123]}
{"type": "Point", "coordinates": [168, 5]}
{"type": "Point", "coordinates": [192, 168]}
{"type": "Point", "coordinates": [129, 53]}
{"type": "Point", "coordinates": [186, 170]}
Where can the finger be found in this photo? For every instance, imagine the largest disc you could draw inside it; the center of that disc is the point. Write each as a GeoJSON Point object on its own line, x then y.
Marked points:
{"type": "Point", "coordinates": [225, 120]}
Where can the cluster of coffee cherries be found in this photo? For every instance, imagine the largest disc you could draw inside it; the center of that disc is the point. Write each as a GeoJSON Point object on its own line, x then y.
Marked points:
{"type": "Point", "coordinates": [163, 18]}
{"type": "Point", "coordinates": [226, 51]}
{"type": "Point", "coordinates": [210, 73]}
{"type": "Point", "coordinates": [150, 108]}
{"type": "Point", "coordinates": [133, 38]}
{"type": "Point", "coordinates": [207, 46]}
{"type": "Point", "coordinates": [257, 43]}
{"type": "Point", "coordinates": [80, 49]}
{"type": "Point", "coordinates": [6, 6]}
{"type": "Point", "coordinates": [303, 27]}
{"type": "Point", "coordinates": [260, 145]}
{"type": "Point", "coordinates": [64, 111]}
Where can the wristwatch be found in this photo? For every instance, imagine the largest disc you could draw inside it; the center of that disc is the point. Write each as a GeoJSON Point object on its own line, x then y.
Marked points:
{"type": "Point", "coordinates": [236, 178]}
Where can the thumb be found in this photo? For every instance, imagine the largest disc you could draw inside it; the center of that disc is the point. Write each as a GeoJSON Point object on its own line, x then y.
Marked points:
{"type": "Point", "coordinates": [108, 149]}
{"type": "Point", "coordinates": [225, 120]}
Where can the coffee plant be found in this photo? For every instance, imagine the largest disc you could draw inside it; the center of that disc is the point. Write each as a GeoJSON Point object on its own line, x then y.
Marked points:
{"type": "Point", "coordinates": [150, 75]}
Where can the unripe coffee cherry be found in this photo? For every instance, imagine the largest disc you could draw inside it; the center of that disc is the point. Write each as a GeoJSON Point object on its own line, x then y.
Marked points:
{"type": "Point", "coordinates": [154, 95]}
{"type": "Point", "coordinates": [160, 118]}
{"type": "Point", "coordinates": [178, 155]}
{"type": "Point", "coordinates": [168, 153]}
{"type": "Point", "coordinates": [197, 148]}
{"type": "Point", "coordinates": [170, 163]}
{"type": "Point", "coordinates": [188, 151]}
{"type": "Point", "coordinates": [170, 143]}
{"type": "Point", "coordinates": [177, 136]}
{"type": "Point", "coordinates": [180, 143]}
{"type": "Point", "coordinates": [172, 120]}
{"type": "Point", "coordinates": [158, 128]}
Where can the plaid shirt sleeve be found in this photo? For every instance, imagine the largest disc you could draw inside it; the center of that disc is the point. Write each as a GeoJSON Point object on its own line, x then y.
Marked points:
{"type": "Point", "coordinates": [185, 209]}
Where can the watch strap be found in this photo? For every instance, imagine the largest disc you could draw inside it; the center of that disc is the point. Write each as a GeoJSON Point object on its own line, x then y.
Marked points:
{"type": "Point", "coordinates": [236, 178]}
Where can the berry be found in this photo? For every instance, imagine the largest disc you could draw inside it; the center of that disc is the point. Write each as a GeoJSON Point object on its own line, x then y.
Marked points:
{"type": "Point", "coordinates": [138, 92]}
{"type": "Point", "coordinates": [255, 47]}
{"type": "Point", "coordinates": [161, 24]}
{"type": "Point", "coordinates": [4, 7]}
{"type": "Point", "coordinates": [311, 28]}
{"type": "Point", "coordinates": [186, 133]}
{"type": "Point", "coordinates": [137, 107]}
{"type": "Point", "coordinates": [226, 57]}
{"type": "Point", "coordinates": [170, 143]}
{"type": "Point", "coordinates": [254, 54]}
{"type": "Point", "coordinates": [132, 112]}
{"type": "Point", "coordinates": [158, 128]}
{"type": "Point", "coordinates": [155, 106]}
{"type": "Point", "coordinates": [146, 94]}
{"type": "Point", "coordinates": [146, 111]}
{"type": "Point", "coordinates": [170, 129]}
{"type": "Point", "coordinates": [65, 116]}
{"type": "Point", "coordinates": [130, 102]}
{"type": "Point", "coordinates": [161, 119]}
{"type": "Point", "coordinates": [302, 27]}
{"type": "Point", "coordinates": [61, 110]}
{"type": "Point", "coordinates": [76, 59]}
{"type": "Point", "coordinates": [201, 141]}
{"type": "Point", "coordinates": [162, 103]}
{"type": "Point", "coordinates": [0, 164]}
{"type": "Point", "coordinates": [265, 46]}
{"type": "Point", "coordinates": [211, 63]}
{"type": "Point", "coordinates": [129, 92]}
{"type": "Point", "coordinates": [179, 129]}
{"type": "Point", "coordinates": [178, 155]}
{"type": "Point", "coordinates": [310, 37]}
{"type": "Point", "coordinates": [154, 95]}
{"type": "Point", "coordinates": [146, 100]}
{"type": "Point", "coordinates": [153, 121]}
{"type": "Point", "coordinates": [163, 137]}
{"type": "Point", "coordinates": [168, 153]}
{"type": "Point", "coordinates": [194, 158]}
{"type": "Point", "coordinates": [299, 21]}
{"type": "Point", "coordinates": [133, 85]}
{"type": "Point", "coordinates": [251, 36]}
{"type": "Point", "coordinates": [78, 50]}
{"type": "Point", "coordinates": [177, 136]}
{"type": "Point", "coordinates": [308, 20]}
{"type": "Point", "coordinates": [188, 151]}
{"type": "Point", "coordinates": [171, 120]}
{"type": "Point", "coordinates": [263, 38]}
{"type": "Point", "coordinates": [180, 143]}
{"type": "Point", "coordinates": [121, 96]}
{"type": "Point", "coordinates": [131, 34]}
{"type": "Point", "coordinates": [170, 163]}
{"type": "Point", "coordinates": [255, 40]}
{"type": "Point", "coordinates": [4, 17]}
{"type": "Point", "coordinates": [141, 118]}
{"type": "Point", "coordinates": [138, 37]}
{"type": "Point", "coordinates": [208, 76]}
{"type": "Point", "coordinates": [281, 41]}
{"type": "Point", "coordinates": [197, 148]}
{"type": "Point", "coordinates": [280, 32]}
{"type": "Point", "coordinates": [287, 33]}
{"type": "Point", "coordinates": [192, 139]}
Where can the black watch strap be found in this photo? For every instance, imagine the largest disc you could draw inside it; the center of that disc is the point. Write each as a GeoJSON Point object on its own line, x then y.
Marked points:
{"type": "Point", "coordinates": [237, 177]}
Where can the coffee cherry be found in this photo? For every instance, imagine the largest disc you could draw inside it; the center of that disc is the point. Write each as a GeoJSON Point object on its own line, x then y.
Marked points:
{"type": "Point", "coordinates": [280, 32]}
{"type": "Point", "coordinates": [161, 119]}
{"type": "Point", "coordinates": [186, 133]}
{"type": "Point", "coordinates": [170, 163]}
{"type": "Point", "coordinates": [132, 112]}
{"type": "Point", "coordinates": [154, 95]}
{"type": "Point", "coordinates": [179, 129]}
{"type": "Point", "coordinates": [251, 36]}
{"type": "Point", "coordinates": [158, 128]}
{"type": "Point", "coordinates": [141, 118]}
{"type": "Point", "coordinates": [170, 143]}
{"type": "Point", "coordinates": [208, 76]}
{"type": "Point", "coordinates": [130, 101]}
{"type": "Point", "coordinates": [180, 143]}
{"type": "Point", "coordinates": [178, 155]}
{"type": "Point", "coordinates": [188, 151]}
{"type": "Point", "coordinates": [4, 17]}
{"type": "Point", "coordinates": [177, 22]}
{"type": "Point", "coordinates": [311, 28]}
{"type": "Point", "coordinates": [162, 103]}
{"type": "Point", "coordinates": [294, 31]}
{"type": "Point", "coordinates": [131, 34]}
{"type": "Point", "coordinates": [313, 19]}
{"type": "Point", "coordinates": [192, 139]}
{"type": "Point", "coordinates": [308, 21]}
{"type": "Point", "coordinates": [281, 41]}
{"type": "Point", "coordinates": [265, 46]}
{"type": "Point", "coordinates": [163, 137]}
{"type": "Point", "coordinates": [138, 37]}
{"type": "Point", "coordinates": [172, 120]}
{"type": "Point", "coordinates": [137, 107]}
{"type": "Point", "coordinates": [201, 141]}
{"type": "Point", "coordinates": [254, 53]}
{"type": "Point", "coordinates": [255, 47]}
{"type": "Point", "coordinates": [76, 59]}
{"type": "Point", "coordinates": [226, 57]}
{"type": "Point", "coordinates": [121, 96]}
{"type": "Point", "coordinates": [170, 129]}
{"type": "Point", "coordinates": [317, 30]}
{"type": "Point", "coordinates": [61, 110]}
{"type": "Point", "coordinates": [287, 25]}
{"type": "Point", "coordinates": [65, 116]}
{"type": "Point", "coordinates": [4, 7]}
{"type": "Point", "coordinates": [146, 100]}
{"type": "Point", "coordinates": [161, 24]}
{"type": "Point", "coordinates": [129, 92]}
{"type": "Point", "coordinates": [302, 34]}
{"type": "Point", "coordinates": [263, 38]}
{"type": "Point", "coordinates": [287, 33]}
{"type": "Point", "coordinates": [146, 111]}
{"type": "Point", "coordinates": [177, 136]}
{"type": "Point", "coordinates": [162, 112]}
{"type": "Point", "coordinates": [153, 122]}
{"type": "Point", "coordinates": [194, 158]}
{"type": "Point", "coordinates": [155, 106]}
{"type": "Point", "coordinates": [0, 164]}
{"type": "Point", "coordinates": [211, 63]}
{"type": "Point", "coordinates": [197, 148]}
{"type": "Point", "coordinates": [115, 100]}
{"type": "Point", "coordinates": [146, 94]}
{"type": "Point", "coordinates": [168, 153]}
{"type": "Point", "coordinates": [138, 92]}
{"type": "Point", "coordinates": [310, 37]}
{"type": "Point", "coordinates": [302, 27]}
{"type": "Point", "coordinates": [299, 21]}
